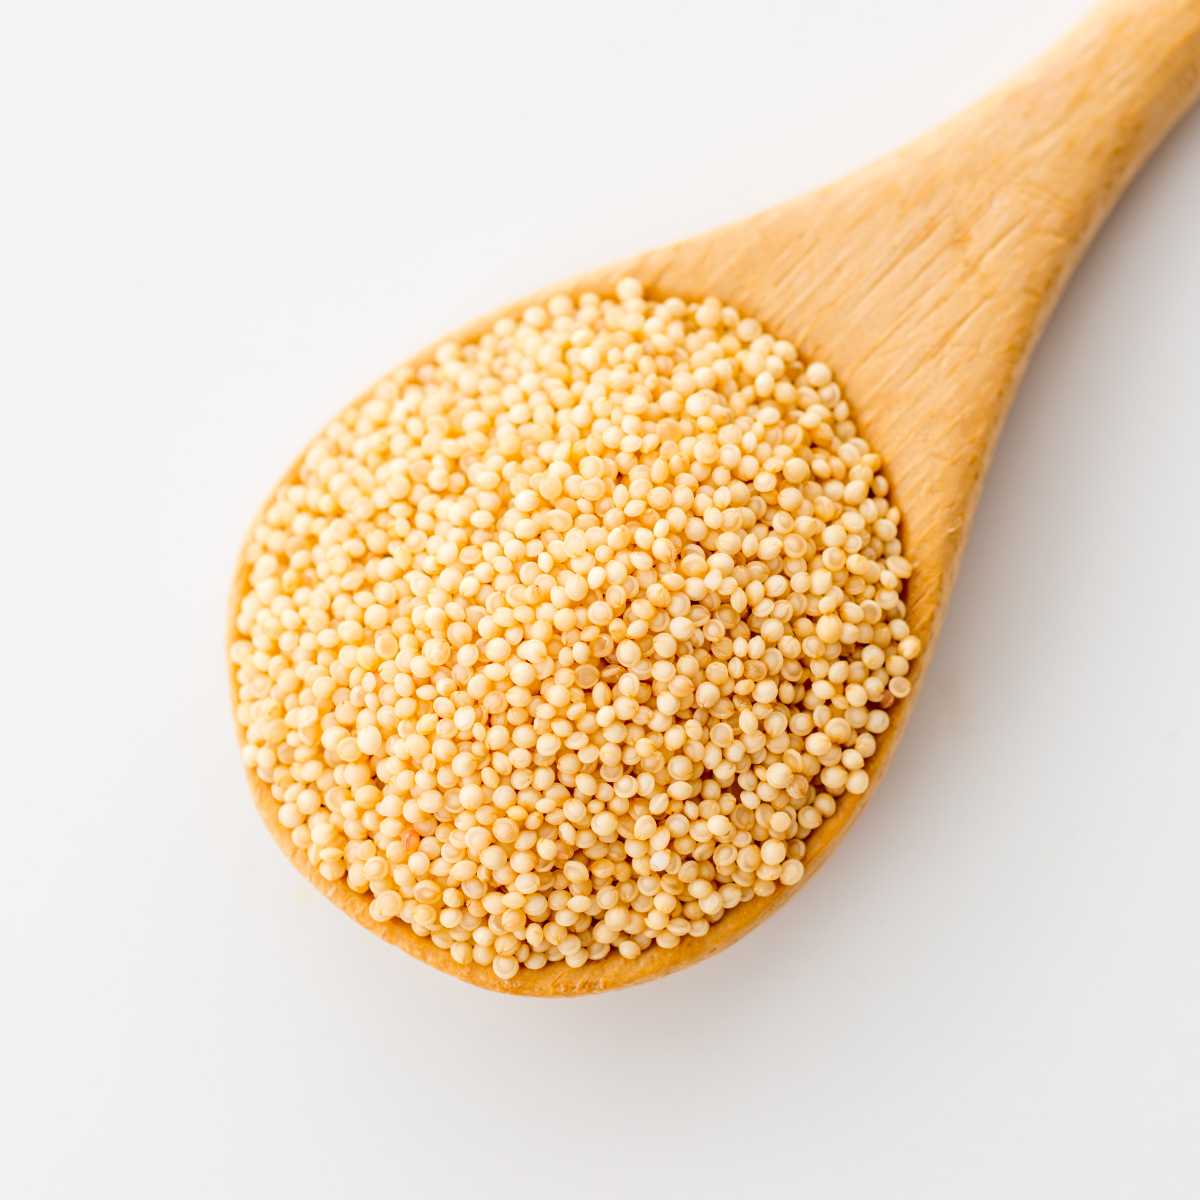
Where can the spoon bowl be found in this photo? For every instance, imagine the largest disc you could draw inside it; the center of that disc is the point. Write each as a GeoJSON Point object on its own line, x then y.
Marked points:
{"type": "Point", "coordinates": [924, 280]}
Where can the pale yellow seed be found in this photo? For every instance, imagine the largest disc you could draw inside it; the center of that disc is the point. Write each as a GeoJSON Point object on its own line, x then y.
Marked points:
{"type": "Point", "coordinates": [792, 873]}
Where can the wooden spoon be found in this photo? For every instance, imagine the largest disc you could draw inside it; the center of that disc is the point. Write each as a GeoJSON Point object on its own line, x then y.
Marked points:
{"type": "Point", "coordinates": [924, 281]}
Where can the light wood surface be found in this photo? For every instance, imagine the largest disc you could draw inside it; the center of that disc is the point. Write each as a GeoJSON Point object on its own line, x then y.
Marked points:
{"type": "Point", "coordinates": [924, 280]}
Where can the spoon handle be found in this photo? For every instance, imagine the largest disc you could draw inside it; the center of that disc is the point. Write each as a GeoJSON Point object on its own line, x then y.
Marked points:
{"type": "Point", "coordinates": [1073, 130]}
{"type": "Point", "coordinates": [928, 276]}
{"type": "Point", "coordinates": [1019, 183]}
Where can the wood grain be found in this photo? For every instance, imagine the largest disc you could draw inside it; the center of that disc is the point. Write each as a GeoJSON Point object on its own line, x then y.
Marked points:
{"type": "Point", "coordinates": [925, 281]}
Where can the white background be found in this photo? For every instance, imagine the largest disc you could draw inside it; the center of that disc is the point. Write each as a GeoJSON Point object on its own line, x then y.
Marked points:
{"type": "Point", "coordinates": [219, 222]}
